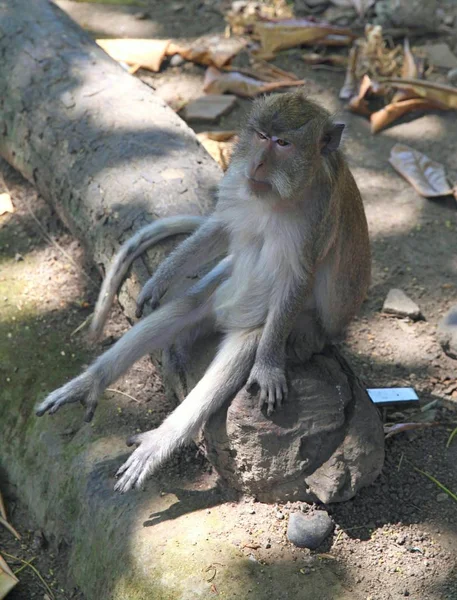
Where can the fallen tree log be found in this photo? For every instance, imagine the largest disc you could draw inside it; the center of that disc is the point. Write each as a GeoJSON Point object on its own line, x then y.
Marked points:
{"type": "Point", "coordinates": [94, 140]}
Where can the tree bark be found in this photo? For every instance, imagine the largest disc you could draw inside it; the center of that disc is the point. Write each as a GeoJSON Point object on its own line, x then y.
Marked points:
{"type": "Point", "coordinates": [94, 140]}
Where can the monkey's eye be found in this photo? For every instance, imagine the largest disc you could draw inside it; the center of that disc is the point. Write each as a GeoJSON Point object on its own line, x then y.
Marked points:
{"type": "Point", "coordinates": [261, 135]}
{"type": "Point", "coordinates": [282, 143]}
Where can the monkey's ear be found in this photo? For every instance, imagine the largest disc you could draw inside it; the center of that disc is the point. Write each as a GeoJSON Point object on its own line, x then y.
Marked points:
{"type": "Point", "coordinates": [332, 139]}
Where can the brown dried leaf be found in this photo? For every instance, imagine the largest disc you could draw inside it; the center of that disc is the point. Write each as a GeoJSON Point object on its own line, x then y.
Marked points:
{"type": "Point", "coordinates": [219, 145]}
{"type": "Point", "coordinates": [6, 205]}
{"type": "Point", "coordinates": [215, 50]}
{"type": "Point", "coordinates": [7, 579]}
{"type": "Point", "coordinates": [392, 112]}
{"type": "Point", "coordinates": [444, 94]}
{"type": "Point", "coordinates": [216, 82]}
{"type": "Point", "coordinates": [287, 33]}
{"type": "Point", "coordinates": [350, 81]}
{"type": "Point", "coordinates": [149, 54]}
{"type": "Point", "coordinates": [391, 430]}
{"type": "Point", "coordinates": [358, 104]}
{"type": "Point", "coordinates": [426, 176]}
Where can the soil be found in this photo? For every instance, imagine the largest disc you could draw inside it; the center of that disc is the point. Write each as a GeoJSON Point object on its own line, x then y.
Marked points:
{"type": "Point", "coordinates": [398, 537]}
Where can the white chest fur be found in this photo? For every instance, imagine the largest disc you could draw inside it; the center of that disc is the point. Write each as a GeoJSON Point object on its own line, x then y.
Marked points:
{"type": "Point", "coordinates": [267, 246]}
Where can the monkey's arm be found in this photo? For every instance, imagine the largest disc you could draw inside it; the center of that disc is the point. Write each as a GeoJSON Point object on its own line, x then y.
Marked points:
{"type": "Point", "coordinates": [268, 372]}
{"type": "Point", "coordinates": [208, 242]}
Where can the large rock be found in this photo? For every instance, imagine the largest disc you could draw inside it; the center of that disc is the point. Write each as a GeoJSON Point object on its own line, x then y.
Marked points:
{"type": "Point", "coordinates": [324, 444]}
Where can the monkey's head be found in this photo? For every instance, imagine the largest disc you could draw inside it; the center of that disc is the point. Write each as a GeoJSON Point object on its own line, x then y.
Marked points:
{"type": "Point", "coordinates": [288, 141]}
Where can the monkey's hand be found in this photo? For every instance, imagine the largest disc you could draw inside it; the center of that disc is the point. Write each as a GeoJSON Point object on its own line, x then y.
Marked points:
{"type": "Point", "coordinates": [84, 389]}
{"type": "Point", "coordinates": [271, 381]}
{"type": "Point", "coordinates": [144, 460]}
{"type": "Point", "coordinates": [151, 294]}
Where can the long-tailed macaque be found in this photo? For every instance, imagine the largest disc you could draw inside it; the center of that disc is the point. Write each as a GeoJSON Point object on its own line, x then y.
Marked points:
{"type": "Point", "coordinates": [290, 220]}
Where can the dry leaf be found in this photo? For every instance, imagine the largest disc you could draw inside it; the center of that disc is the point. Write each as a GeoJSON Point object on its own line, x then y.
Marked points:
{"type": "Point", "coordinates": [391, 430]}
{"type": "Point", "coordinates": [149, 54]}
{"type": "Point", "coordinates": [216, 82]}
{"type": "Point", "coordinates": [7, 579]}
{"type": "Point", "coordinates": [390, 113]}
{"type": "Point", "coordinates": [219, 145]}
{"type": "Point", "coordinates": [215, 50]}
{"type": "Point", "coordinates": [445, 94]}
{"type": "Point", "coordinates": [358, 104]}
{"type": "Point", "coordinates": [350, 81]}
{"type": "Point", "coordinates": [426, 176]}
{"type": "Point", "coordinates": [287, 33]}
{"type": "Point", "coordinates": [6, 205]}
{"type": "Point", "coordinates": [361, 6]}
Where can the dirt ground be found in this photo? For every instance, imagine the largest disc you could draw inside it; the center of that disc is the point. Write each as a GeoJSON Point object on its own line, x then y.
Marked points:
{"type": "Point", "coordinates": [397, 538]}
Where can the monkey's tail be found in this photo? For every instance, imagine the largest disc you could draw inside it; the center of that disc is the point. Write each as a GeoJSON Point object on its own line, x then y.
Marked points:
{"type": "Point", "coordinates": [128, 252]}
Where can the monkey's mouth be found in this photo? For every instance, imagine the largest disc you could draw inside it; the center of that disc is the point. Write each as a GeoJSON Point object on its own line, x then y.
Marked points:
{"type": "Point", "coordinates": [258, 185]}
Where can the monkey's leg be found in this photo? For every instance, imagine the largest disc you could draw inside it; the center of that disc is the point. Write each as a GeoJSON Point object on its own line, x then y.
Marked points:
{"type": "Point", "coordinates": [223, 379]}
{"type": "Point", "coordinates": [158, 330]}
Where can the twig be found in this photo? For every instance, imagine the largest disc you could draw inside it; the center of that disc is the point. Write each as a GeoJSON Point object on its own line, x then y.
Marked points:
{"type": "Point", "coordinates": [23, 566]}
{"type": "Point", "coordinates": [10, 528]}
{"type": "Point", "coordinates": [34, 569]}
{"type": "Point", "coordinates": [123, 394]}
{"type": "Point", "coordinates": [451, 437]}
{"type": "Point", "coordinates": [82, 325]}
{"type": "Point", "coordinates": [2, 508]}
{"type": "Point", "coordinates": [438, 483]}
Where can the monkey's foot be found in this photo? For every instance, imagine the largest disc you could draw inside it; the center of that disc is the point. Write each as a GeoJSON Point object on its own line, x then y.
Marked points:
{"type": "Point", "coordinates": [272, 384]}
{"type": "Point", "coordinates": [84, 389]}
{"type": "Point", "coordinates": [144, 460]}
{"type": "Point", "coordinates": [150, 295]}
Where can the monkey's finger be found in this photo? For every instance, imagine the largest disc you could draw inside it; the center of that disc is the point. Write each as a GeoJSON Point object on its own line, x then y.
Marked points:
{"type": "Point", "coordinates": [139, 311]}
{"type": "Point", "coordinates": [89, 415]}
{"type": "Point", "coordinates": [279, 395]}
{"type": "Point", "coordinates": [134, 439]}
{"type": "Point", "coordinates": [130, 477]}
{"type": "Point", "coordinates": [131, 459]}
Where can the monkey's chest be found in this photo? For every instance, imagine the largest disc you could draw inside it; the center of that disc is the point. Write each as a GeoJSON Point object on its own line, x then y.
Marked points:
{"type": "Point", "coordinates": [261, 271]}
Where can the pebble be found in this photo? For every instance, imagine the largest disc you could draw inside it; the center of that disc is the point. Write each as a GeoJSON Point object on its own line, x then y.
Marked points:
{"type": "Point", "coordinates": [176, 60]}
{"type": "Point", "coordinates": [442, 497]}
{"type": "Point", "coordinates": [399, 304]}
{"type": "Point", "coordinates": [447, 332]}
{"type": "Point", "coordinates": [309, 531]}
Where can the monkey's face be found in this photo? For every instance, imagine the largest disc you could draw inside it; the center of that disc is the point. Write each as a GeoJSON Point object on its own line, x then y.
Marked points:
{"type": "Point", "coordinates": [286, 143]}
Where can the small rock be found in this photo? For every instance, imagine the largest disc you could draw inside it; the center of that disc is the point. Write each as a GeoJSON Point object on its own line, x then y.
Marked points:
{"type": "Point", "coordinates": [447, 332]}
{"type": "Point", "coordinates": [452, 76]}
{"type": "Point", "coordinates": [442, 497]}
{"type": "Point", "coordinates": [141, 16]}
{"type": "Point", "coordinates": [18, 257]}
{"type": "Point", "coordinates": [309, 531]}
{"type": "Point", "coordinates": [399, 304]}
{"type": "Point", "coordinates": [441, 55]}
{"type": "Point", "coordinates": [279, 515]}
{"type": "Point", "coordinates": [210, 108]}
{"type": "Point", "coordinates": [176, 60]}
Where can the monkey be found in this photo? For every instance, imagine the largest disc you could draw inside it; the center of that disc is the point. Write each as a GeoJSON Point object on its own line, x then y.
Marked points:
{"type": "Point", "coordinates": [290, 223]}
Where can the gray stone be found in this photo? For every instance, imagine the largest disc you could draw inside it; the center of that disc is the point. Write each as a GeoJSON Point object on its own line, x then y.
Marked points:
{"type": "Point", "coordinates": [399, 304]}
{"type": "Point", "coordinates": [441, 55]}
{"type": "Point", "coordinates": [309, 531]}
{"type": "Point", "coordinates": [176, 60]}
{"type": "Point", "coordinates": [447, 332]}
{"type": "Point", "coordinates": [407, 13]}
{"type": "Point", "coordinates": [324, 444]}
{"type": "Point", "coordinates": [209, 109]}
{"type": "Point", "coordinates": [452, 76]}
